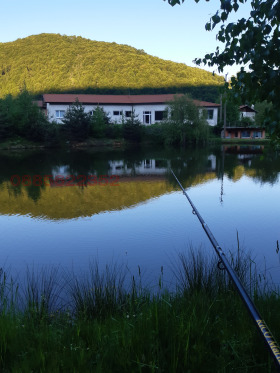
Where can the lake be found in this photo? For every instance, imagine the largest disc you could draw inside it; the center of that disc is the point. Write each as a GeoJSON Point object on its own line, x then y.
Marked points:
{"type": "Point", "coordinates": [68, 208]}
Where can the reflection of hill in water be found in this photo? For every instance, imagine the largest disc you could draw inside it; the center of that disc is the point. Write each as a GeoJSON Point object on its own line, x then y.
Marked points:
{"type": "Point", "coordinates": [74, 201]}
{"type": "Point", "coordinates": [240, 171]}
{"type": "Point", "coordinates": [69, 202]}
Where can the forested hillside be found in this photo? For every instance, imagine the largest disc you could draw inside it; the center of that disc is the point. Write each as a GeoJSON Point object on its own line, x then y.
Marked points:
{"type": "Point", "coordinates": [58, 63]}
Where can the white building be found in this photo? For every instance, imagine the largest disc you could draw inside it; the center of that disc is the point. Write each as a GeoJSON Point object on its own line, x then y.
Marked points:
{"type": "Point", "coordinates": [148, 108]}
{"type": "Point", "coordinates": [247, 112]}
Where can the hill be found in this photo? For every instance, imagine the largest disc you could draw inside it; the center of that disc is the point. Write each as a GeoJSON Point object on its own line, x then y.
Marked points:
{"type": "Point", "coordinates": [59, 63]}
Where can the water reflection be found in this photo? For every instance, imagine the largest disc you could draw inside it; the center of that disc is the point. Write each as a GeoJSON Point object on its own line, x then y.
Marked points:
{"type": "Point", "coordinates": [144, 216]}
{"type": "Point", "coordinates": [142, 175]}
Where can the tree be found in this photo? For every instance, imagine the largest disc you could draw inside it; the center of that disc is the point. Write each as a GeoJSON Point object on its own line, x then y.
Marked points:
{"type": "Point", "coordinates": [29, 120]}
{"type": "Point", "coordinates": [99, 122]}
{"type": "Point", "coordinates": [76, 123]}
{"type": "Point", "coordinates": [254, 42]}
{"type": "Point", "coordinates": [185, 122]}
{"type": "Point", "coordinates": [7, 128]}
{"type": "Point", "coordinates": [261, 108]}
{"type": "Point", "coordinates": [132, 128]}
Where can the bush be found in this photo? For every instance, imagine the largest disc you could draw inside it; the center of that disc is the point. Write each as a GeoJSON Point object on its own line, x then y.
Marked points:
{"type": "Point", "coordinates": [154, 133]}
{"type": "Point", "coordinates": [114, 131]}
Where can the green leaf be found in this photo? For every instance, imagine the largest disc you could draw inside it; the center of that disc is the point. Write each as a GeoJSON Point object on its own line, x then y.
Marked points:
{"type": "Point", "coordinates": [235, 7]}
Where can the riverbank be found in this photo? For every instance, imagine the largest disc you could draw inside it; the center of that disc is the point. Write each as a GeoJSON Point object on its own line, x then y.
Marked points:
{"type": "Point", "coordinates": [21, 144]}
{"type": "Point", "coordinates": [105, 143]}
{"type": "Point", "coordinates": [111, 323]}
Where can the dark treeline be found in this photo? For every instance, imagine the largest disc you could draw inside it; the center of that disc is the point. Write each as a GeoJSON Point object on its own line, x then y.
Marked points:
{"type": "Point", "coordinates": [202, 92]}
{"type": "Point", "coordinates": [53, 63]}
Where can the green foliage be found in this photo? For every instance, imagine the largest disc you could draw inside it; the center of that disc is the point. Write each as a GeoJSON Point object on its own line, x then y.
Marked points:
{"type": "Point", "coordinates": [55, 63]}
{"type": "Point", "coordinates": [114, 131]}
{"type": "Point", "coordinates": [109, 323]}
{"type": "Point", "coordinates": [31, 123]}
{"type": "Point", "coordinates": [262, 109]}
{"type": "Point", "coordinates": [132, 128]}
{"type": "Point", "coordinates": [154, 133]}
{"type": "Point", "coordinates": [253, 42]}
{"type": "Point", "coordinates": [7, 128]}
{"type": "Point", "coordinates": [22, 117]}
{"type": "Point", "coordinates": [76, 123]}
{"type": "Point", "coordinates": [232, 112]}
{"type": "Point", "coordinates": [185, 122]}
{"type": "Point", "coordinates": [247, 122]}
{"type": "Point", "coordinates": [99, 123]}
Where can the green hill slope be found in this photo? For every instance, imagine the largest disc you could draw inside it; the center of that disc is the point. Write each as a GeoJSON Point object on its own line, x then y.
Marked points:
{"type": "Point", "coordinates": [55, 63]}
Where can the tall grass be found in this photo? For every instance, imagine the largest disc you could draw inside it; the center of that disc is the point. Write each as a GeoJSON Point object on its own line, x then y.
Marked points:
{"type": "Point", "coordinates": [98, 293]}
{"type": "Point", "coordinates": [109, 322]}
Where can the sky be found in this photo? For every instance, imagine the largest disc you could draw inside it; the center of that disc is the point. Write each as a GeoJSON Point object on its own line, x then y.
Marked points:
{"type": "Point", "coordinates": [172, 33]}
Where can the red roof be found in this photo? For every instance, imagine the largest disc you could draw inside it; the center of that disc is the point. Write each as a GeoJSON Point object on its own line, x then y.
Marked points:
{"type": "Point", "coordinates": [117, 99]}
{"type": "Point", "coordinates": [247, 109]}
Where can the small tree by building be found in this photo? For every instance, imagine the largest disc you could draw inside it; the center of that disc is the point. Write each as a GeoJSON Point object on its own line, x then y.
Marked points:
{"type": "Point", "coordinates": [76, 123]}
{"type": "Point", "coordinates": [99, 123]}
{"type": "Point", "coordinates": [132, 128]}
{"type": "Point", "coordinates": [185, 122]}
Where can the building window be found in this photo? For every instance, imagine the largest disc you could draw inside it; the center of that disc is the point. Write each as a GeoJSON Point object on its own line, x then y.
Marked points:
{"type": "Point", "coordinates": [59, 114]}
{"type": "Point", "coordinates": [147, 163]}
{"type": "Point", "coordinates": [210, 114]}
{"type": "Point", "coordinates": [159, 115]}
{"type": "Point", "coordinates": [257, 134]}
{"type": "Point", "coordinates": [117, 113]}
{"type": "Point", "coordinates": [147, 115]}
{"type": "Point", "coordinates": [245, 134]}
{"type": "Point", "coordinates": [128, 114]}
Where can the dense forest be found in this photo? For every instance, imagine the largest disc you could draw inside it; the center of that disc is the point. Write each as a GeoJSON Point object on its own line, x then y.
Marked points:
{"type": "Point", "coordinates": [58, 63]}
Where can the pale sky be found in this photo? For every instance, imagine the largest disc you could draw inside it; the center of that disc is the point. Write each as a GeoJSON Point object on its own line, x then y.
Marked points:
{"type": "Point", "coordinates": [172, 33]}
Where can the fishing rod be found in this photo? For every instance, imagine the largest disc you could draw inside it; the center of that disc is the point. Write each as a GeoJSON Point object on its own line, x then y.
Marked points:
{"type": "Point", "coordinates": [259, 322]}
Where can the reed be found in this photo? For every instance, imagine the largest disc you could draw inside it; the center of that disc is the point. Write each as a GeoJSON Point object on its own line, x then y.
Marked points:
{"type": "Point", "coordinates": [108, 322]}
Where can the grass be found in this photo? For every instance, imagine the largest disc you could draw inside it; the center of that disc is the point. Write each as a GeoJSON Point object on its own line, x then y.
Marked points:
{"type": "Point", "coordinates": [106, 321]}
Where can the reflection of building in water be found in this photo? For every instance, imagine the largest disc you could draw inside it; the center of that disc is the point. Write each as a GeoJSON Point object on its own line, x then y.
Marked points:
{"type": "Point", "coordinates": [60, 171]}
{"type": "Point", "coordinates": [245, 153]}
{"type": "Point", "coordinates": [151, 166]}
{"type": "Point", "coordinates": [144, 167]}
{"type": "Point", "coordinates": [244, 149]}
{"type": "Point", "coordinates": [212, 162]}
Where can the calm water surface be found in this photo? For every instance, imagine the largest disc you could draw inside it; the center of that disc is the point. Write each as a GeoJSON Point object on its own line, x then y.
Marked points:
{"type": "Point", "coordinates": [144, 220]}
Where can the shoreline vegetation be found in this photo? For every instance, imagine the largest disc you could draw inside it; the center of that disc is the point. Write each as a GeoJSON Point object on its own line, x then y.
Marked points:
{"type": "Point", "coordinates": [106, 320]}
{"type": "Point", "coordinates": [24, 126]}
{"type": "Point", "coordinates": [21, 144]}
{"type": "Point", "coordinates": [105, 143]}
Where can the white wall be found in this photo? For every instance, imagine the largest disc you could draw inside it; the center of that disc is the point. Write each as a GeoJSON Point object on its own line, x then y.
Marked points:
{"type": "Point", "coordinates": [247, 114]}
{"type": "Point", "coordinates": [109, 109]}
